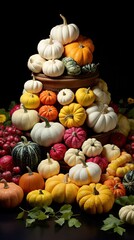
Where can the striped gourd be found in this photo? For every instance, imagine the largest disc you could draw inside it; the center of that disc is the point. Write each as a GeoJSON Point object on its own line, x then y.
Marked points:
{"type": "Point", "coordinates": [128, 182]}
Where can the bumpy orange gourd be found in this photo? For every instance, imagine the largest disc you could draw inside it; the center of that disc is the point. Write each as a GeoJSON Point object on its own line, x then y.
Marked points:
{"type": "Point", "coordinates": [116, 187]}
{"type": "Point", "coordinates": [48, 97]}
{"type": "Point", "coordinates": [48, 111]}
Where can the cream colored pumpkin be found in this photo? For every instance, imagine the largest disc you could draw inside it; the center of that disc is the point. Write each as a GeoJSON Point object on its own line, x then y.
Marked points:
{"type": "Point", "coordinates": [102, 85]}
{"type": "Point", "coordinates": [101, 117]}
{"type": "Point", "coordinates": [35, 63]}
{"type": "Point", "coordinates": [101, 96]}
{"type": "Point", "coordinates": [65, 96]}
{"type": "Point", "coordinates": [126, 214]}
{"type": "Point", "coordinates": [91, 147]}
{"type": "Point", "coordinates": [50, 49]}
{"type": "Point", "coordinates": [33, 86]}
{"type": "Point", "coordinates": [85, 173]}
{"type": "Point", "coordinates": [48, 167]}
{"type": "Point", "coordinates": [24, 119]}
{"type": "Point", "coordinates": [123, 124]}
{"type": "Point", "coordinates": [111, 152]}
{"type": "Point", "coordinates": [53, 68]}
{"type": "Point", "coordinates": [73, 156]}
{"type": "Point", "coordinates": [65, 33]}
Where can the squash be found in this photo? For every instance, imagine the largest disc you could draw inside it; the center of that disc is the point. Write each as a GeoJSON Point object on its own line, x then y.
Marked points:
{"type": "Point", "coordinates": [61, 189]}
{"type": "Point", "coordinates": [31, 181]}
{"type": "Point", "coordinates": [26, 153]}
{"type": "Point", "coordinates": [53, 68]}
{"type": "Point", "coordinates": [90, 67]}
{"type": "Point", "coordinates": [116, 187]}
{"type": "Point", "coordinates": [85, 173]}
{"type": "Point", "coordinates": [65, 96]}
{"type": "Point", "coordinates": [48, 111]}
{"type": "Point", "coordinates": [57, 151]}
{"type": "Point", "coordinates": [24, 119]}
{"type": "Point", "coordinates": [47, 133]}
{"type": "Point", "coordinates": [111, 151]}
{"type": "Point", "coordinates": [71, 66]}
{"type": "Point", "coordinates": [128, 182]}
{"type": "Point", "coordinates": [50, 49]}
{"type": "Point", "coordinates": [123, 124]}
{"type": "Point", "coordinates": [33, 85]}
{"type": "Point", "coordinates": [101, 117]}
{"type": "Point", "coordinates": [74, 137]}
{"type": "Point", "coordinates": [65, 33]}
{"type": "Point", "coordinates": [95, 198]}
{"type": "Point", "coordinates": [35, 63]}
{"type": "Point", "coordinates": [85, 96]}
{"type": "Point", "coordinates": [39, 198]}
{"type": "Point", "coordinates": [91, 147]}
{"type": "Point", "coordinates": [48, 97]}
{"type": "Point", "coordinates": [72, 115]}
{"type": "Point", "coordinates": [101, 96]}
{"type": "Point", "coordinates": [48, 167]}
{"type": "Point", "coordinates": [30, 100]}
{"type": "Point", "coordinates": [11, 194]}
{"type": "Point", "coordinates": [74, 156]}
{"type": "Point", "coordinates": [126, 214]}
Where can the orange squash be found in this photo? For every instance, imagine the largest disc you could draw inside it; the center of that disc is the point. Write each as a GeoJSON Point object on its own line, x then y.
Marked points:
{"type": "Point", "coordinates": [116, 187]}
{"type": "Point", "coordinates": [48, 97]}
{"type": "Point", "coordinates": [48, 111]}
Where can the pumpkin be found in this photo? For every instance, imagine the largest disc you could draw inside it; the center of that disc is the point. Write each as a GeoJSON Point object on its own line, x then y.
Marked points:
{"type": "Point", "coordinates": [57, 151]}
{"type": "Point", "coordinates": [128, 182]}
{"type": "Point", "coordinates": [85, 96]}
{"type": "Point", "coordinates": [61, 189]}
{"type": "Point", "coordinates": [90, 67]}
{"type": "Point", "coordinates": [33, 85]}
{"type": "Point", "coordinates": [72, 115]}
{"type": "Point", "coordinates": [50, 48]}
{"type": "Point", "coordinates": [39, 198]}
{"type": "Point", "coordinates": [24, 119]}
{"type": "Point", "coordinates": [95, 198]}
{"type": "Point", "coordinates": [26, 153]}
{"type": "Point", "coordinates": [48, 111]}
{"type": "Point", "coordinates": [35, 63]}
{"type": "Point", "coordinates": [91, 147]}
{"type": "Point", "coordinates": [73, 156]}
{"type": "Point", "coordinates": [111, 151]}
{"type": "Point", "coordinates": [101, 96]}
{"type": "Point", "coordinates": [71, 66]}
{"type": "Point", "coordinates": [65, 33]}
{"type": "Point", "coordinates": [80, 50]}
{"type": "Point", "coordinates": [48, 97]}
{"type": "Point", "coordinates": [11, 194]}
{"type": "Point", "coordinates": [116, 187]}
{"type": "Point", "coordinates": [126, 214]}
{"type": "Point", "coordinates": [47, 133]}
{"type": "Point", "coordinates": [123, 124]}
{"type": "Point", "coordinates": [65, 96]}
{"type": "Point", "coordinates": [101, 84]}
{"type": "Point", "coordinates": [31, 181]}
{"type": "Point", "coordinates": [53, 68]}
{"type": "Point", "coordinates": [85, 173]}
{"type": "Point", "coordinates": [101, 161]}
{"type": "Point", "coordinates": [101, 117]}
{"type": "Point", "coordinates": [48, 167]}
{"type": "Point", "coordinates": [74, 137]}
{"type": "Point", "coordinates": [30, 100]}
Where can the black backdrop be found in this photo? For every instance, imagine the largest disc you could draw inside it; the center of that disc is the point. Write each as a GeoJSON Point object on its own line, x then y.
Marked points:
{"type": "Point", "coordinates": [108, 23]}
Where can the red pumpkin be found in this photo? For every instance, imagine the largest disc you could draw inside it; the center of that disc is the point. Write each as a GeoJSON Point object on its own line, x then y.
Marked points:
{"type": "Point", "coordinates": [57, 151]}
{"type": "Point", "coordinates": [101, 161]}
{"type": "Point", "coordinates": [74, 137]}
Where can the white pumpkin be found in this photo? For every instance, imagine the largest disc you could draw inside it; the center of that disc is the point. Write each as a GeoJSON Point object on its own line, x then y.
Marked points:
{"type": "Point", "coordinates": [101, 96]}
{"type": "Point", "coordinates": [126, 214]}
{"type": "Point", "coordinates": [102, 85]}
{"type": "Point", "coordinates": [65, 96]}
{"type": "Point", "coordinates": [73, 156]}
{"type": "Point", "coordinates": [85, 173]}
{"type": "Point", "coordinates": [65, 33]}
{"type": "Point", "coordinates": [47, 133]}
{"type": "Point", "coordinates": [33, 86]}
{"type": "Point", "coordinates": [35, 62]}
{"type": "Point", "coordinates": [50, 49]}
{"type": "Point", "coordinates": [111, 152]}
{"type": "Point", "coordinates": [92, 147]}
{"type": "Point", "coordinates": [101, 117]}
{"type": "Point", "coordinates": [53, 68]}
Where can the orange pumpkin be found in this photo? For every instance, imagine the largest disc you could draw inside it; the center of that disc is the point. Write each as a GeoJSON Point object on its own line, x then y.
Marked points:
{"type": "Point", "coordinates": [11, 194]}
{"type": "Point", "coordinates": [81, 50]}
{"type": "Point", "coordinates": [48, 97]}
{"type": "Point", "coordinates": [31, 181]}
{"type": "Point", "coordinates": [48, 111]}
{"type": "Point", "coordinates": [116, 187]}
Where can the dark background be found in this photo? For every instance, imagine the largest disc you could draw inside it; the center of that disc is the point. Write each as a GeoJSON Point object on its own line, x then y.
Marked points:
{"type": "Point", "coordinates": [108, 23]}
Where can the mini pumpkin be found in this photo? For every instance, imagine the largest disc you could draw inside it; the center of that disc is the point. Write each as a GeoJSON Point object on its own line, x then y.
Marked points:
{"type": "Point", "coordinates": [53, 68]}
{"type": "Point", "coordinates": [30, 100]}
{"type": "Point", "coordinates": [85, 96]}
{"type": "Point", "coordinates": [91, 147]}
{"type": "Point", "coordinates": [39, 198]}
{"type": "Point", "coordinates": [74, 156]}
{"type": "Point", "coordinates": [126, 214]}
{"type": "Point", "coordinates": [48, 97]}
{"type": "Point", "coordinates": [33, 85]}
{"type": "Point", "coordinates": [48, 111]}
{"type": "Point", "coordinates": [57, 151]}
{"type": "Point", "coordinates": [35, 63]}
{"type": "Point", "coordinates": [65, 96]}
{"type": "Point", "coordinates": [116, 187]}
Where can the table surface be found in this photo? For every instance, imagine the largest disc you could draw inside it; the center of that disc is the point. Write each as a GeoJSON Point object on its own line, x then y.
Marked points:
{"type": "Point", "coordinates": [11, 228]}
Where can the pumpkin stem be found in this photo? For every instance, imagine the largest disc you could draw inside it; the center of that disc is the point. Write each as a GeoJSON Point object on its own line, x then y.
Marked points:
{"type": "Point", "coordinates": [29, 170]}
{"type": "Point", "coordinates": [45, 120]}
{"type": "Point", "coordinates": [69, 116]}
{"type": "Point", "coordinates": [49, 159]}
{"type": "Point", "coordinates": [66, 178]}
{"type": "Point", "coordinates": [64, 19]}
{"type": "Point", "coordinates": [40, 191]}
{"type": "Point", "coordinates": [24, 140]}
{"type": "Point", "coordinates": [5, 183]}
{"type": "Point", "coordinates": [95, 191]}
{"type": "Point", "coordinates": [83, 162]}
{"type": "Point", "coordinates": [24, 108]}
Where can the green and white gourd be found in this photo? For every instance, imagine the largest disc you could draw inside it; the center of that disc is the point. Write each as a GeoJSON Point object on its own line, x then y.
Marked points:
{"type": "Point", "coordinates": [128, 182]}
{"type": "Point", "coordinates": [71, 66]}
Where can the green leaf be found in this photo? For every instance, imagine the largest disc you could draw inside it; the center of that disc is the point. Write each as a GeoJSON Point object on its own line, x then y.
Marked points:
{"type": "Point", "coordinates": [67, 215]}
{"type": "Point", "coordinates": [29, 222]}
{"type": "Point", "coordinates": [36, 214]}
{"type": "Point", "coordinates": [74, 222]}
{"type": "Point", "coordinates": [107, 226]}
{"type": "Point", "coordinates": [125, 200]}
{"type": "Point", "coordinates": [60, 221]}
{"type": "Point", "coordinates": [119, 230]}
{"type": "Point", "coordinates": [65, 208]}
{"type": "Point", "coordinates": [20, 215]}
{"type": "Point", "coordinates": [49, 210]}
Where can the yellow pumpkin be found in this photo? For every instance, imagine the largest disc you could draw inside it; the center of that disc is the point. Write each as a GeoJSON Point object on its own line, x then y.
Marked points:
{"type": "Point", "coordinates": [30, 100]}
{"type": "Point", "coordinates": [95, 198]}
{"type": "Point", "coordinates": [61, 188]}
{"type": "Point", "coordinates": [72, 115]}
{"type": "Point", "coordinates": [39, 198]}
{"type": "Point", "coordinates": [85, 96]}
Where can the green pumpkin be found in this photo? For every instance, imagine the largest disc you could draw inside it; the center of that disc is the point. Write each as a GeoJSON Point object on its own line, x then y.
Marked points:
{"type": "Point", "coordinates": [71, 66]}
{"type": "Point", "coordinates": [91, 67]}
{"type": "Point", "coordinates": [26, 153]}
{"type": "Point", "coordinates": [128, 182]}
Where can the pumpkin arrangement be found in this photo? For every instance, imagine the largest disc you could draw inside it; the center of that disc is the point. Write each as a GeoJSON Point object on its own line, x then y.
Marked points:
{"type": "Point", "coordinates": [63, 128]}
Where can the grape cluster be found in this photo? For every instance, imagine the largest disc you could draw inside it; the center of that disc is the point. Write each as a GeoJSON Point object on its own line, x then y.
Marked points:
{"type": "Point", "coordinates": [9, 136]}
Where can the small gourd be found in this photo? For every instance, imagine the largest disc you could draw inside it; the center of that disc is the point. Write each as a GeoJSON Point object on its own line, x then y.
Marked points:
{"type": "Point", "coordinates": [35, 63]}
{"type": "Point", "coordinates": [53, 68]}
{"type": "Point", "coordinates": [73, 156]}
{"type": "Point", "coordinates": [57, 151]}
{"type": "Point", "coordinates": [48, 111]}
{"type": "Point", "coordinates": [33, 86]}
{"type": "Point", "coordinates": [39, 198]}
{"type": "Point", "coordinates": [48, 97]}
{"type": "Point", "coordinates": [128, 182]}
{"type": "Point", "coordinates": [30, 100]}
{"type": "Point", "coordinates": [85, 96]}
{"type": "Point", "coordinates": [116, 187]}
{"type": "Point", "coordinates": [91, 147]}
{"type": "Point", "coordinates": [65, 96]}
{"type": "Point", "coordinates": [126, 214]}
{"type": "Point", "coordinates": [111, 151]}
